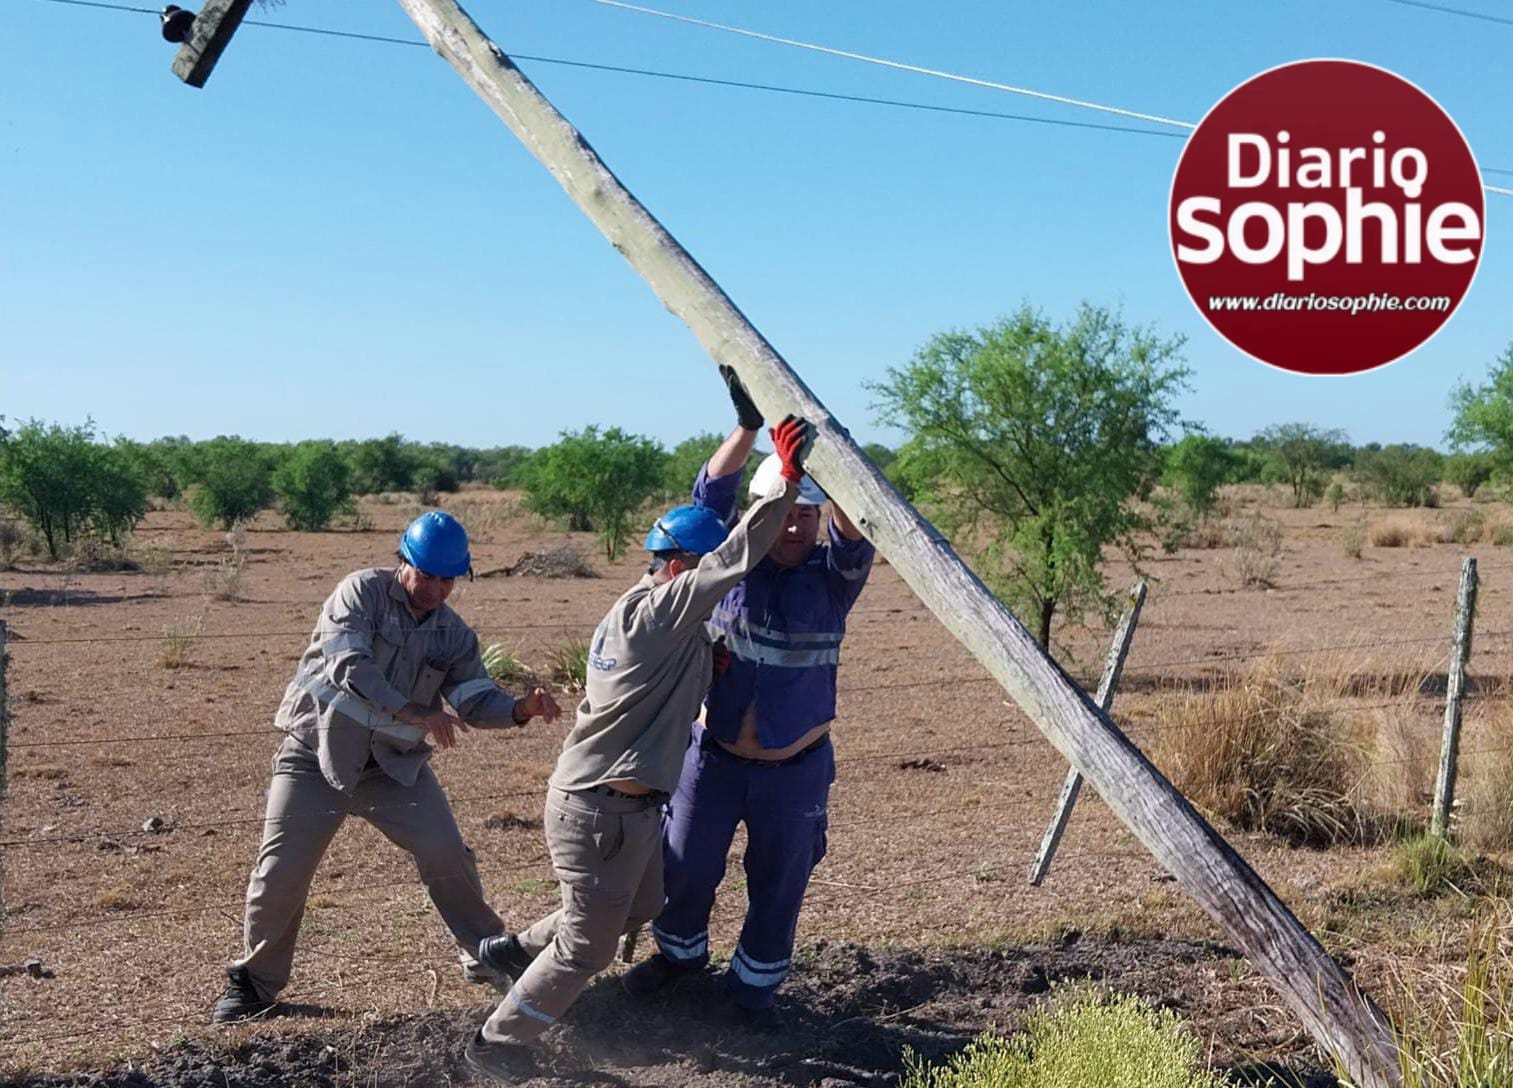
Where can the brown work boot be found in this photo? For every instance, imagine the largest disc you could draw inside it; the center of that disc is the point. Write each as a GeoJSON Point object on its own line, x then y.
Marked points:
{"type": "Point", "coordinates": [502, 1063]}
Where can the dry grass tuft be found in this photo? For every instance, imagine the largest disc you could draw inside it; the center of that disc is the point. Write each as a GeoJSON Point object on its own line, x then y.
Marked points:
{"type": "Point", "coordinates": [507, 669]}
{"type": "Point", "coordinates": [1464, 527]}
{"type": "Point", "coordinates": [562, 562]}
{"type": "Point", "coordinates": [45, 773]}
{"type": "Point", "coordinates": [1393, 532]}
{"type": "Point", "coordinates": [1488, 794]}
{"type": "Point", "coordinates": [1352, 540]}
{"type": "Point", "coordinates": [115, 897]}
{"type": "Point", "coordinates": [1257, 541]}
{"type": "Point", "coordinates": [179, 640]}
{"type": "Point", "coordinates": [1265, 754]}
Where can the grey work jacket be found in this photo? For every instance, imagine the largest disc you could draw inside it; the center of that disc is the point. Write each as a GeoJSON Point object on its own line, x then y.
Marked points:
{"type": "Point", "coordinates": [649, 664]}
{"type": "Point", "coordinates": [367, 658]}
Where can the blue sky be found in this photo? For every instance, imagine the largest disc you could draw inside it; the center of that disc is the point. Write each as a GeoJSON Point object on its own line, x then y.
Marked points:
{"type": "Point", "coordinates": [336, 238]}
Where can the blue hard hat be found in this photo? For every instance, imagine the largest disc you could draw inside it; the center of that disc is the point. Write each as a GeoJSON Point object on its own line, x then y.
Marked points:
{"type": "Point", "coordinates": [696, 529]}
{"type": "Point", "coordinates": [437, 544]}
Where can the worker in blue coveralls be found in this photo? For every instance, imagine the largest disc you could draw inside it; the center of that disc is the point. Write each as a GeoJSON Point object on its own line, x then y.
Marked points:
{"type": "Point", "coordinates": [762, 755]}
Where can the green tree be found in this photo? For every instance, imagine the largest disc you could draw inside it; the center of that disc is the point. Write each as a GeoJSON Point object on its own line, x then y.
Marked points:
{"type": "Point", "coordinates": [315, 485]}
{"type": "Point", "coordinates": [382, 464]}
{"type": "Point", "coordinates": [65, 484]}
{"type": "Point", "coordinates": [1483, 420]}
{"type": "Point", "coordinates": [1399, 475]}
{"type": "Point", "coordinates": [595, 481]}
{"type": "Point", "coordinates": [1301, 457]}
{"type": "Point", "coordinates": [880, 455]}
{"type": "Point", "coordinates": [1026, 441]}
{"type": "Point", "coordinates": [502, 467]}
{"type": "Point", "coordinates": [1196, 467]}
{"type": "Point", "coordinates": [685, 460]}
{"type": "Point", "coordinates": [1469, 471]}
{"type": "Point", "coordinates": [233, 481]}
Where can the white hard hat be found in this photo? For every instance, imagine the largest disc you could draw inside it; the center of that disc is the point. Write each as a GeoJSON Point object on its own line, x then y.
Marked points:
{"type": "Point", "coordinates": [764, 481]}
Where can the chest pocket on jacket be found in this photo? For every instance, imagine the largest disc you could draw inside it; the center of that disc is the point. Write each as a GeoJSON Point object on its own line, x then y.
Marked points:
{"type": "Point", "coordinates": [427, 684]}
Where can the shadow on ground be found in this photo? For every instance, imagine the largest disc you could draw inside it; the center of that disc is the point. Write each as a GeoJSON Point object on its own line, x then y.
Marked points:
{"type": "Point", "coordinates": [845, 1019]}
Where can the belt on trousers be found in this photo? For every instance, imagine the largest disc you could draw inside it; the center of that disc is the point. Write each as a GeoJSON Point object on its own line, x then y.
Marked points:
{"type": "Point", "coordinates": [709, 744]}
{"type": "Point", "coordinates": [655, 797]}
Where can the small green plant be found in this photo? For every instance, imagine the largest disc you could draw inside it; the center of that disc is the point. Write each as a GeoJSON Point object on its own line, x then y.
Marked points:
{"type": "Point", "coordinates": [502, 664]}
{"type": "Point", "coordinates": [1460, 1039]}
{"type": "Point", "coordinates": [179, 641]}
{"type": "Point", "coordinates": [567, 665]}
{"type": "Point", "coordinates": [1430, 866]}
{"type": "Point", "coordinates": [1353, 540]}
{"type": "Point", "coordinates": [233, 481]}
{"type": "Point", "coordinates": [1085, 1040]}
{"type": "Point", "coordinates": [1334, 495]}
{"type": "Point", "coordinates": [534, 886]}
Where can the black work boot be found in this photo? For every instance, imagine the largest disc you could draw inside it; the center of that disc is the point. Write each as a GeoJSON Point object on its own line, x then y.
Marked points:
{"type": "Point", "coordinates": [241, 1001]}
{"type": "Point", "coordinates": [503, 955]}
{"type": "Point", "coordinates": [502, 1063]}
{"type": "Point", "coordinates": [652, 974]}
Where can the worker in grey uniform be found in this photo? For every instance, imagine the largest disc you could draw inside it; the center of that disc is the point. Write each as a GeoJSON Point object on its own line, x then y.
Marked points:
{"type": "Point", "coordinates": [385, 653]}
{"type": "Point", "coordinates": [649, 666]}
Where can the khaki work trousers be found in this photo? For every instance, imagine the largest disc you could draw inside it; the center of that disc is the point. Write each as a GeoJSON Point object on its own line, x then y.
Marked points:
{"type": "Point", "coordinates": [607, 852]}
{"type": "Point", "coordinates": [304, 812]}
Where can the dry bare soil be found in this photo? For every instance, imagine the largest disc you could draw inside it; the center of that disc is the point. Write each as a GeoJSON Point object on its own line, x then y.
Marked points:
{"type": "Point", "coordinates": [920, 929]}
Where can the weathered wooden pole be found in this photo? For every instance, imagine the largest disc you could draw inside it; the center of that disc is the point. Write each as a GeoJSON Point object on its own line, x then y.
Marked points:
{"type": "Point", "coordinates": [211, 33]}
{"type": "Point", "coordinates": [1460, 652]}
{"type": "Point", "coordinates": [1118, 650]}
{"type": "Point", "coordinates": [1340, 1016]}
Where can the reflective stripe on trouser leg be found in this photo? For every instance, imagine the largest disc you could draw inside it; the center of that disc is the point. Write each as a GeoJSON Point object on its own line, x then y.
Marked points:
{"type": "Point", "coordinates": [701, 821]}
{"type": "Point", "coordinates": [607, 855]}
{"type": "Point", "coordinates": [786, 822]}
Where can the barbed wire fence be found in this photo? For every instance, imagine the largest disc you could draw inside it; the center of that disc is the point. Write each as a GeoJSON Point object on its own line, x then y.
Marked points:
{"type": "Point", "coordinates": [1407, 691]}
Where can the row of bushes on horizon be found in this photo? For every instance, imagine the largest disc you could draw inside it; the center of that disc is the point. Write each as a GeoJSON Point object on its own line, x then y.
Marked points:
{"type": "Point", "coordinates": [68, 483]}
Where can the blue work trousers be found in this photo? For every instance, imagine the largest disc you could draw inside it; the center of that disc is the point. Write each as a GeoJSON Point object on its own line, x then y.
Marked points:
{"type": "Point", "coordinates": [784, 807]}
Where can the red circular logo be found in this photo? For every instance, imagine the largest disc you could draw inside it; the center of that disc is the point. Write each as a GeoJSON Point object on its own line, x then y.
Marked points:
{"type": "Point", "coordinates": [1327, 217]}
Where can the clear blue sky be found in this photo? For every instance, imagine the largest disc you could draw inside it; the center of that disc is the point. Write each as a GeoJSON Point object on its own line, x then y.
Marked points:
{"type": "Point", "coordinates": [335, 238]}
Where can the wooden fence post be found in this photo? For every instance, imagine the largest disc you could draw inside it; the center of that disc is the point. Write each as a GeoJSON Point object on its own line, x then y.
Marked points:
{"type": "Point", "coordinates": [1338, 1014]}
{"type": "Point", "coordinates": [4, 749]}
{"type": "Point", "coordinates": [1118, 650]}
{"type": "Point", "coordinates": [1460, 652]}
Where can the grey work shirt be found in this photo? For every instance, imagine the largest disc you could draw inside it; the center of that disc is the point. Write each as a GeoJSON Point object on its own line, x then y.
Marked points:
{"type": "Point", "coordinates": [367, 658]}
{"type": "Point", "coordinates": [649, 664]}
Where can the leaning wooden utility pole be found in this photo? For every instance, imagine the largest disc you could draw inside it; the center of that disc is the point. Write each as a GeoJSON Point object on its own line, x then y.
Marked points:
{"type": "Point", "coordinates": [1118, 650]}
{"type": "Point", "coordinates": [1460, 653]}
{"type": "Point", "coordinates": [210, 33]}
{"type": "Point", "coordinates": [1338, 1014]}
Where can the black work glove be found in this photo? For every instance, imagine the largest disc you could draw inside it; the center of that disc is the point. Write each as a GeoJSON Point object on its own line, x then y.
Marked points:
{"type": "Point", "coordinates": [720, 661]}
{"type": "Point", "coordinates": [746, 412]}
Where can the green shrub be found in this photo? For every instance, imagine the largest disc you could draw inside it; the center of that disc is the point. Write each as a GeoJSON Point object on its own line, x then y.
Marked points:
{"type": "Point", "coordinates": [315, 485]}
{"type": "Point", "coordinates": [1084, 1041]}
{"type": "Point", "coordinates": [381, 464]}
{"type": "Point", "coordinates": [683, 464]}
{"type": "Point", "coordinates": [567, 665]}
{"type": "Point", "coordinates": [1430, 865]}
{"type": "Point", "coordinates": [503, 467]}
{"type": "Point", "coordinates": [1195, 467]}
{"type": "Point", "coordinates": [1400, 475]}
{"type": "Point", "coordinates": [595, 482]}
{"type": "Point", "coordinates": [1469, 471]}
{"type": "Point", "coordinates": [1334, 495]}
{"type": "Point", "coordinates": [234, 480]}
{"type": "Point", "coordinates": [503, 666]}
{"type": "Point", "coordinates": [65, 484]}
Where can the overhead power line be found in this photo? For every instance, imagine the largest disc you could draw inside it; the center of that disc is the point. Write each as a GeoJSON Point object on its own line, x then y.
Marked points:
{"type": "Point", "coordinates": [891, 103]}
{"type": "Point", "coordinates": [1462, 12]}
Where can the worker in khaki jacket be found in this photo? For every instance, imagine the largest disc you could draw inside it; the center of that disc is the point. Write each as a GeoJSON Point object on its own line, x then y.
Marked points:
{"type": "Point", "coordinates": [385, 652]}
{"type": "Point", "coordinates": [649, 666]}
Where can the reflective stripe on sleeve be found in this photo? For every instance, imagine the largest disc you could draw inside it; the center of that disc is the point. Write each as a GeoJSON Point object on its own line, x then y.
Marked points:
{"type": "Point", "coordinates": [458, 694]}
{"type": "Point", "coordinates": [750, 650]}
{"type": "Point", "coordinates": [357, 711]}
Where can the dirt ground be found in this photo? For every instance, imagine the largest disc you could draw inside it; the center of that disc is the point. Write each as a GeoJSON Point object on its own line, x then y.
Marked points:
{"type": "Point", "coordinates": [919, 930]}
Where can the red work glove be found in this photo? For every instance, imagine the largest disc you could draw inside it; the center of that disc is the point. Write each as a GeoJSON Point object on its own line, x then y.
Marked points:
{"type": "Point", "coordinates": [721, 660]}
{"type": "Point", "coordinates": [792, 440]}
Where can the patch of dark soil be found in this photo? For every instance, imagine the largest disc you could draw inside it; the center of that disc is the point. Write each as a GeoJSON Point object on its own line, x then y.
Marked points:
{"type": "Point", "coordinates": [844, 1019]}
